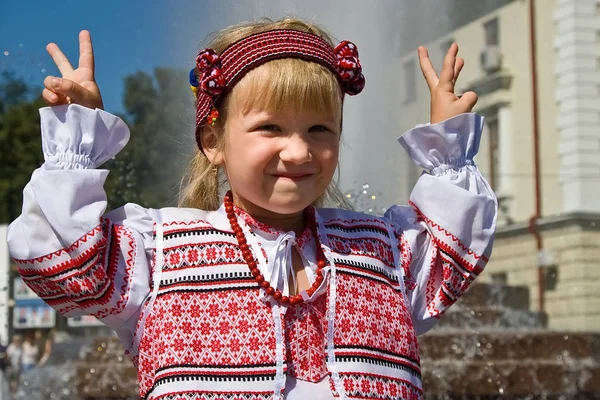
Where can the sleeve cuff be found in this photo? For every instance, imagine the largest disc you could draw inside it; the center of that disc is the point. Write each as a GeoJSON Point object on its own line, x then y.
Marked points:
{"type": "Point", "coordinates": [450, 144]}
{"type": "Point", "coordinates": [76, 137]}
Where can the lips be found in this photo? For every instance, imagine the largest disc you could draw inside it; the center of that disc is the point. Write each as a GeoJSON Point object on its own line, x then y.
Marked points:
{"type": "Point", "coordinates": [294, 176]}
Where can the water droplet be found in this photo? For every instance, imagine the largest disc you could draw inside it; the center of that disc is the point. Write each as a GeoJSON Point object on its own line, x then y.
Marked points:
{"type": "Point", "coordinates": [43, 70]}
{"type": "Point", "coordinates": [6, 52]}
{"type": "Point", "coordinates": [364, 192]}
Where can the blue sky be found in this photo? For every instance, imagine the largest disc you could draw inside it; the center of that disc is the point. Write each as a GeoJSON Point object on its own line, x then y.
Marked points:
{"type": "Point", "coordinates": [127, 36]}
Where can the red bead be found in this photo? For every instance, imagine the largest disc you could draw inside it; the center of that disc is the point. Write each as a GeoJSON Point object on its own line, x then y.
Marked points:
{"type": "Point", "coordinates": [249, 258]}
{"type": "Point", "coordinates": [296, 300]}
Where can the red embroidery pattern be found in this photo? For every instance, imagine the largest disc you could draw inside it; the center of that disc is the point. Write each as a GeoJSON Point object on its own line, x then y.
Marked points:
{"type": "Point", "coordinates": [379, 387]}
{"type": "Point", "coordinates": [204, 254]}
{"type": "Point", "coordinates": [190, 332]}
{"type": "Point", "coordinates": [200, 395]}
{"type": "Point", "coordinates": [361, 246]}
{"type": "Point", "coordinates": [305, 328]}
{"type": "Point", "coordinates": [406, 260]}
{"type": "Point", "coordinates": [456, 241]}
{"type": "Point", "coordinates": [450, 273]}
{"type": "Point", "coordinates": [83, 275]}
{"type": "Point", "coordinates": [376, 318]}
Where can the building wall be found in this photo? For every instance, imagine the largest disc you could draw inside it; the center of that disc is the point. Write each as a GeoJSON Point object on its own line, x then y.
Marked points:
{"type": "Point", "coordinates": [571, 298]}
{"type": "Point", "coordinates": [568, 77]}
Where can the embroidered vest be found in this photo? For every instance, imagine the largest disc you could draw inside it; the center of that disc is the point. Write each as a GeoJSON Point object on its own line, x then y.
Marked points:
{"type": "Point", "coordinates": [208, 332]}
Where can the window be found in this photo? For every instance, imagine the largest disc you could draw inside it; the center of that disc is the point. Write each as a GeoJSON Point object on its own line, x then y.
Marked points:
{"type": "Point", "coordinates": [494, 153]}
{"type": "Point", "coordinates": [500, 279]}
{"type": "Point", "coordinates": [409, 70]}
{"type": "Point", "coordinates": [491, 32]}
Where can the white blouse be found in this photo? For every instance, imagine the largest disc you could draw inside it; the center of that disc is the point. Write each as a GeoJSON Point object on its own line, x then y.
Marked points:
{"type": "Point", "coordinates": [65, 198]}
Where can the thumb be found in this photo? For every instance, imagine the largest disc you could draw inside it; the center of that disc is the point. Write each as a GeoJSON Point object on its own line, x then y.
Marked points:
{"type": "Point", "coordinates": [468, 100]}
{"type": "Point", "coordinates": [77, 93]}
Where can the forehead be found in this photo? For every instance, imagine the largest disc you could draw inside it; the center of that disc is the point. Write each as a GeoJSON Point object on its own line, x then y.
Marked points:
{"type": "Point", "coordinates": [289, 85]}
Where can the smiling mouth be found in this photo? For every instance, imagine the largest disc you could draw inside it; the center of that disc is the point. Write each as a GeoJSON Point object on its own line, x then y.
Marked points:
{"type": "Point", "coordinates": [293, 177]}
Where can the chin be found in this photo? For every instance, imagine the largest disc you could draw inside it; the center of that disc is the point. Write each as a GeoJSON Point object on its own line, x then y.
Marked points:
{"type": "Point", "coordinates": [289, 203]}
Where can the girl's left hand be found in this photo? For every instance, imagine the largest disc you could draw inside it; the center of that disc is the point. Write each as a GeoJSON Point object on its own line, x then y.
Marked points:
{"type": "Point", "coordinates": [444, 103]}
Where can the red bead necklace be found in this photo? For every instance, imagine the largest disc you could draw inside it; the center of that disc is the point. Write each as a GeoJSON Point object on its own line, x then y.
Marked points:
{"type": "Point", "coordinates": [309, 217]}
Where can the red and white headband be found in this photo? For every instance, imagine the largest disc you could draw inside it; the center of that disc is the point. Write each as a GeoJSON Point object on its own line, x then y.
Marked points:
{"type": "Point", "coordinates": [215, 74]}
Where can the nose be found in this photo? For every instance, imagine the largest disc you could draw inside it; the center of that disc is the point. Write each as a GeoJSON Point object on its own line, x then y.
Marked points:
{"type": "Point", "coordinates": [296, 150]}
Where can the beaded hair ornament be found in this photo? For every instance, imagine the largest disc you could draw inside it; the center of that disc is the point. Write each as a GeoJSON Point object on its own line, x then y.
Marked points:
{"type": "Point", "coordinates": [215, 74]}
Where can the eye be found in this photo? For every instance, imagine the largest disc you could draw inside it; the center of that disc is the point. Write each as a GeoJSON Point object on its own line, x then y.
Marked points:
{"type": "Point", "coordinates": [318, 128]}
{"type": "Point", "coordinates": [269, 128]}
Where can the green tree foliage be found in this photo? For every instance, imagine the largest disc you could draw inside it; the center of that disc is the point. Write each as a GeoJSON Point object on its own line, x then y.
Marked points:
{"type": "Point", "coordinates": [159, 111]}
{"type": "Point", "coordinates": [160, 114]}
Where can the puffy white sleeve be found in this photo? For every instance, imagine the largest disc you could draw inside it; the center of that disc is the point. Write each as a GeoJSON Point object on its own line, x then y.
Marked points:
{"type": "Point", "coordinates": [73, 257]}
{"type": "Point", "coordinates": [446, 232]}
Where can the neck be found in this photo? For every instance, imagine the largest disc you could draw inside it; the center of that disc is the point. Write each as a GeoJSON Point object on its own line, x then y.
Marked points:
{"type": "Point", "coordinates": [285, 222]}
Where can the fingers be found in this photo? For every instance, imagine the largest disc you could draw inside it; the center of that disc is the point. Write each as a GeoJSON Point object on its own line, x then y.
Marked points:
{"type": "Point", "coordinates": [448, 69]}
{"type": "Point", "coordinates": [86, 52]}
{"type": "Point", "coordinates": [460, 63]}
{"type": "Point", "coordinates": [427, 68]}
{"type": "Point", "coordinates": [63, 88]}
{"type": "Point", "coordinates": [468, 100]}
{"type": "Point", "coordinates": [61, 61]}
{"type": "Point", "coordinates": [49, 94]}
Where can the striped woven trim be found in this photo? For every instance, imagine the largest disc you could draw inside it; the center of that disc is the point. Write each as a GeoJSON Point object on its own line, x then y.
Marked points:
{"type": "Point", "coordinates": [255, 50]}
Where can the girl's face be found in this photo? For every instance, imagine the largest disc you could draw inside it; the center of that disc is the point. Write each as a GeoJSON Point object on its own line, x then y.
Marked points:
{"type": "Point", "coordinates": [279, 162]}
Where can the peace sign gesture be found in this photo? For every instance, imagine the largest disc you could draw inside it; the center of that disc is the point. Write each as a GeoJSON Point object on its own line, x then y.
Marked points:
{"type": "Point", "coordinates": [444, 103]}
{"type": "Point", "coordinates": [76, 85]}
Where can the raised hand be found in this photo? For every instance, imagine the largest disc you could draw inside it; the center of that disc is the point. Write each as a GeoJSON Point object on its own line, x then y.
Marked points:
{"type": "Point", "coordinates": [444, 103]}
{"type": "Point", "coordinates": [76, 86]}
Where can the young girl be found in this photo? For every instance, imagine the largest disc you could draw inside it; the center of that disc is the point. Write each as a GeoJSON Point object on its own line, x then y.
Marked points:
{"type": "Point", "coordinates": [261, 294]}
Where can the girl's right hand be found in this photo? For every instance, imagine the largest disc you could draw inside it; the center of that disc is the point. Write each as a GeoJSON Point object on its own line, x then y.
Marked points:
{"type": "Point", "coordinates": [77, 86]}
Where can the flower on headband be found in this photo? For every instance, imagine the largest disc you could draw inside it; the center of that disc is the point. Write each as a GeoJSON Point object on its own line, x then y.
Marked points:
{"type": "Point", "coordinates": [349, 68]}
{"type": "Point", "coordinates": [212, 81]}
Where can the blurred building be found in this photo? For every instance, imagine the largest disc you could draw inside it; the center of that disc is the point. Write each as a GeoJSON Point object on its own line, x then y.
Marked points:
{"type": "Point", "coordinates": [541, 148]}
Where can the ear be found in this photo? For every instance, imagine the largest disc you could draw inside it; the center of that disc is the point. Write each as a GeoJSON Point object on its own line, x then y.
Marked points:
{"type": "Point", "coordinates": [209, 140]}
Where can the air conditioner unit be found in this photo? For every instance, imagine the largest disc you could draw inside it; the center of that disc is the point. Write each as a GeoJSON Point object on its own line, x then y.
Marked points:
{"type": "Point", "coordinates": [490, 59]}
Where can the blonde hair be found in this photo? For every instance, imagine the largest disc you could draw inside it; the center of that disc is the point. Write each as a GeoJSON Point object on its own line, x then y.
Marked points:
{"type": "Point", "coordinates": [303, 85]}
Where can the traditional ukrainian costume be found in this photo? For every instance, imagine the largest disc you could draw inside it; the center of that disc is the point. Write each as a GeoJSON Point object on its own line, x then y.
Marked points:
{"type": "Point", "coordinates": [177, 288]}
